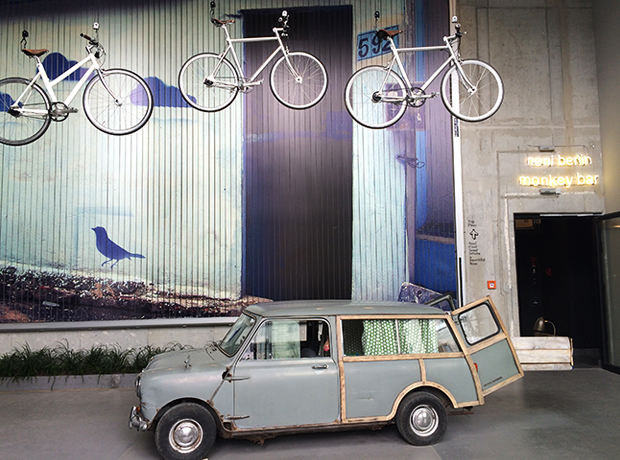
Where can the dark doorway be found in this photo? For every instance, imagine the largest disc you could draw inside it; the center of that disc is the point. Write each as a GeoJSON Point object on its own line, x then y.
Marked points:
{"type": "Point", "coordinates": [558, 278]}
{"type": "Point", "coordinates": [298, 166]}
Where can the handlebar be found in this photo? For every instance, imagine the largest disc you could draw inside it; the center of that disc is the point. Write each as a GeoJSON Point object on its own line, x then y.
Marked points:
{"type": "Point", "coordinates": [91, 40]}
{"type": "Point", "coordinates": [94, 42]}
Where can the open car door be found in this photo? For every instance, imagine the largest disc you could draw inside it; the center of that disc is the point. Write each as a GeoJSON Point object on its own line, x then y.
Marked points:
{"type": "Point", "coordinates": [488, 344]}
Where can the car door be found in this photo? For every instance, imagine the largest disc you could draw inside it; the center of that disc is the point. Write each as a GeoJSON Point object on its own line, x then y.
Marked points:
{"type": "Point", "coordinates": [287, 376]}
{"type": "Point", "coordinates": [489, 345]}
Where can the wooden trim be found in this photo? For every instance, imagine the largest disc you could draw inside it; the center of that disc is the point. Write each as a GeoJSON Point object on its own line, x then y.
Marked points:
{"type": "Point", "coordinates": [510, 344]}
{"type": "Point", "coordinates": [503, 384]}
{"type": "Point", "coordinates": [470, 362]}
{"type": "Point", "coordinates": [501, 335]}
{"type": "Point", "coordinates": [401, 396]}
{"type": "Point", "coordinates": [403, 316]}
{"type": "Point", "coordinates": [362, 359]}
{"type": "Point", "coordinates": [343, 400]}
{"type": "Point", "coordinates": [473, 304]}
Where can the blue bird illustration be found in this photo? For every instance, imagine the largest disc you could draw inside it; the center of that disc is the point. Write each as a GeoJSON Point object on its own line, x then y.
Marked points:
{"type": "Point", "coordinates": [110, 249]}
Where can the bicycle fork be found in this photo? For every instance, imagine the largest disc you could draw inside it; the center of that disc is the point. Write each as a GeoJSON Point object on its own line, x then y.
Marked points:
{"type": "Point", "coordinates": [289, 64]}
{"type": "Point", "coordinates": [101, 74]}
{"type": "Point", "coordinates": [471, 88]}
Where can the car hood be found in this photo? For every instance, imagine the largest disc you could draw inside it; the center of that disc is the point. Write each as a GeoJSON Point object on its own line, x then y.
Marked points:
{"type": "Point", "coordinates": [180, 358]}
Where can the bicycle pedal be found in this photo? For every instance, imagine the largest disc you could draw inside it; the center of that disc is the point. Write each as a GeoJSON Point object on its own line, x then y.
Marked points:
{"type": "Point", "coordinates": [72, 110]}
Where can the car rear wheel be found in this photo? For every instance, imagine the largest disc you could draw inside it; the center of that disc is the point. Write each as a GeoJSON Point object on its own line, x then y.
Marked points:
{"type": "Point", "coordinates": [185, 432]}
{"type": "Point", "coordinates": [421, 419]}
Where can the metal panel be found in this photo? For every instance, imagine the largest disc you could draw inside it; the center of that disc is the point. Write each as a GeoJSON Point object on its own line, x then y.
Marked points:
{"type": "Point", "coordinates": [172, 192]}
{"type": "Point", "coordinates": [371, 388]}
{"type": "Point", "coordinates": [453, 374]}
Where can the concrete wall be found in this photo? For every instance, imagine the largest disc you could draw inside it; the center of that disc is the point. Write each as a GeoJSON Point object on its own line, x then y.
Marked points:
{"type": "Point", "coordinates": [607, 35]}
{"type": "Point", "coordinates": [544, 50]}
{"type": "Point", "coordinates": [195, 332]}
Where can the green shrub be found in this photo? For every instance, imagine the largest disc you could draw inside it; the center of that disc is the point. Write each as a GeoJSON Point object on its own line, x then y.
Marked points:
{"type": "Point", "coordinates": [24, 363]}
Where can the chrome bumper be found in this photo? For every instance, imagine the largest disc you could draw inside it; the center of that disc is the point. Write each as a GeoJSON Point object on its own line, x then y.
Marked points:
{"type": "Point", "coordinates": [137, 421]}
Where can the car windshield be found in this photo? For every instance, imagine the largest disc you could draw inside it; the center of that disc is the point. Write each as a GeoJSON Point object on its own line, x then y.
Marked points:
{"type": "Point", "coordinates": [237, 334]}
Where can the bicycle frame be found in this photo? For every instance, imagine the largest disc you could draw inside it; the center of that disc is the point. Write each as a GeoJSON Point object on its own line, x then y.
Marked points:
{"type": "Point", "coordinates": [49, 84]}
{"type": "Point", "coordinates": [453, 58]}
{"type": "Point", "coordinates": [230, 48]}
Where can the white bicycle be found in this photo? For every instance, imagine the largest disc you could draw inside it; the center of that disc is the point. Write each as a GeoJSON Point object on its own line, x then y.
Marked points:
{"type": "Point", "coordinates": [116, 101]}
{"type": "Point", "coordinates": [209, 82]}
{"type": "Point", "coordinates": [377, 96]}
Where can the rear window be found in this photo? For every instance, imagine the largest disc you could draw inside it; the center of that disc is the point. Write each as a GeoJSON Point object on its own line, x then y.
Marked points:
{"type": "Point", "coordinates": [379, 337]}
{"type": "Point", "coordinates": [478, 324]}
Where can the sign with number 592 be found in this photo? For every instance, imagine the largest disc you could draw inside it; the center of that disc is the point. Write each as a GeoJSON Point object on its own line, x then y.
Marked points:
{"type": "Point", "coordinates": [369, 46]}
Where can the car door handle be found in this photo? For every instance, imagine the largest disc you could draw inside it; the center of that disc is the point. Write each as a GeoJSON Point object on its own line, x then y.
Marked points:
{"type": "Point", "coordinates": [320, 366]}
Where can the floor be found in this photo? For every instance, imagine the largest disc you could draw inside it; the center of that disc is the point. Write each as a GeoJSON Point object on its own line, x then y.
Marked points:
{"type": "Point", "coordinates": [546, 415]}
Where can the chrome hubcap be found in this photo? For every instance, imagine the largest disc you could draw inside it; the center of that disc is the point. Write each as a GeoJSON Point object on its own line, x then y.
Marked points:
{"type": "Point", "coordinates": [424, 420]}
{"type": "Point", "coordinates": [185, 436]}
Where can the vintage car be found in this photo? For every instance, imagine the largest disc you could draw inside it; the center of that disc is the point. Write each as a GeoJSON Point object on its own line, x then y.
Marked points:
{"type": "Point", "coordinates": [288, 367]}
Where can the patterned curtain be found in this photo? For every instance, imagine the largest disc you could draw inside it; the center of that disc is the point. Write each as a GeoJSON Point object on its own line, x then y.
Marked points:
{"type": "Point", "coordinates": [388, 337]}
{"type": "Point", "coordinates": [379, 337]}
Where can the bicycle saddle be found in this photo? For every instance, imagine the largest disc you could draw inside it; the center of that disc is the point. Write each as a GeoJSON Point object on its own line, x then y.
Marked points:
{"type": "Point", "coordinates": [383, 34]}
{"type": "Point", "coordinates": [33, 53]}
{"type": "Point", "coordinates": [218, 23]}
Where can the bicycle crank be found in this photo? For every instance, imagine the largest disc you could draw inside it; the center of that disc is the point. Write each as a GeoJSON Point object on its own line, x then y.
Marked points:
{"type": "Point", "coordinates": [247, 86]}
{"type": "Point", "coordinates": [419, 97]}
{"type": "Point", "coordinates": [59, 111]}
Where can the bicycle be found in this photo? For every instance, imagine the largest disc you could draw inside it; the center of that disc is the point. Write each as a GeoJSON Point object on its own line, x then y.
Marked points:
{"type": "Point", "coordinates": [377, 96]}
{"type": "Point", "coordinates": [209, 82]}
{"type": "Point", "coordinates": [115, 101]}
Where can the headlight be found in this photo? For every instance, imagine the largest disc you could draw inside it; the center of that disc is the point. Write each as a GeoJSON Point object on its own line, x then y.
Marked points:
{"type": "Point", "coordinates": [138, 385]}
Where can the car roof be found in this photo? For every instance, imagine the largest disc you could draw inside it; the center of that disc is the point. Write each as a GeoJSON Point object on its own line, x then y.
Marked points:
{"type": "Point", "coordinates": [340, 307]}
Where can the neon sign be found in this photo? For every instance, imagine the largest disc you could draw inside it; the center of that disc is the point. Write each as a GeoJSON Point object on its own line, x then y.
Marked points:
{"type": "Point", "coordinates": [564, 178]}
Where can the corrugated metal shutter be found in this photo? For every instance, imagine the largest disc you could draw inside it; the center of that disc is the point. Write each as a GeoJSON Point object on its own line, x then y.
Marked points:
{"type": "Point", "coordinates": [173, 192]}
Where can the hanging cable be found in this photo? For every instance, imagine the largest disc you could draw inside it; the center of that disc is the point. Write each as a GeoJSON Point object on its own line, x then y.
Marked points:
{"type": "Point", "coordinates": [212, 11]}
{"type": "Point", "coordinates": [24, 42]}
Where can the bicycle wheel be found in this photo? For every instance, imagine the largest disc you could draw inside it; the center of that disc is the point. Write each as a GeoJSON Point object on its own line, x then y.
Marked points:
{"type": "Point", "coordinates": [208, 84]}
{"type": "Point", "coordinates": [26, 122]}
{"type": "Point", "coordinates": [477, 103]}
{"type": "Point", "coordinates": [303, 91]}
{"type": "Point", "coordinates": [118, 102]}
{"type": "Point", "coordinates": [375, 97]}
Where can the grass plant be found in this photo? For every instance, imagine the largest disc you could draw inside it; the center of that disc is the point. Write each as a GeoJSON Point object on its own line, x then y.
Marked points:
{"type": "Point", "coordinates": [24, 363]}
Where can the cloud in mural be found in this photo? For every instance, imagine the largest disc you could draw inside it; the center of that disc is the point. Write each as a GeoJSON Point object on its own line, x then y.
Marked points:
{"type": "Point", "coordinates": [55, 64]}
{"type": "Point", "coordinates": [164, 95]}
{"type": "Point", "coordinates": [6, 102]}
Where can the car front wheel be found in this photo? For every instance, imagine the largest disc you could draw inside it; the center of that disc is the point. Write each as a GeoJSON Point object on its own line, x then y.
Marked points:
{"type": "Point", "coordinates": [185, 432]}
{"type": "Point", "coordinates": [421, 419]}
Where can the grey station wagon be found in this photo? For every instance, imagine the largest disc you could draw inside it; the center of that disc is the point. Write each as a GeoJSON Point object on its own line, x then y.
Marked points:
{"type": "Point", "coordinates": [288, 367]}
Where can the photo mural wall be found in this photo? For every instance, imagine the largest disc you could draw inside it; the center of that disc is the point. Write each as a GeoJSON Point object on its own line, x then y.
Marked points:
{"type": "Point", "coordinates": [200, 213]}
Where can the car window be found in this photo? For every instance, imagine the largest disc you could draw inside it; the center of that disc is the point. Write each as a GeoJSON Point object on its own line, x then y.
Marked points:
{"type": "Point", "coordinates": [289, 339]}
{"type": "Point", "coordinates": [237, 334]}
{"type": "Point", "coordinates": [478, 324]}
{"type": "Point", "coordinates": [376, 337]}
